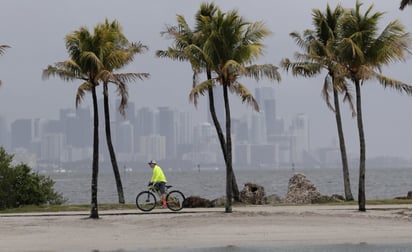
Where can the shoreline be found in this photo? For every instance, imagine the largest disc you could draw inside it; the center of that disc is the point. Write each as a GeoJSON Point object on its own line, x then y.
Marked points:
{"type": "Point", "coordinates": [247, 226]}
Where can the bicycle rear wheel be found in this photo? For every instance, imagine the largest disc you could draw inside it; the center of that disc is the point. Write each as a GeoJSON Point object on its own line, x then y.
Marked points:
{"type": "Point", "coordinates": [174, 200]}
{"type": "Point", "coordinates": [146, 201]}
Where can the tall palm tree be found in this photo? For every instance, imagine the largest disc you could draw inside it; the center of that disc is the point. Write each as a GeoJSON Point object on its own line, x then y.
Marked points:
{"type": "Point", "coordinates": [230, 48]}
{"type": "Point", "coordinates": [2, 50]}
{"type": "Point", "coordinates": [320, 53]}
{"type": "Point", "coordinates": [188, 46]}
{"type": "Point", "coordinates": [120, 53]}
{"type": "Point", "coordinates": [363, 52]}
{"type": "Point", "coordinates": [85, 64]}
{"type": "Point", "coordinates": [404, 3]}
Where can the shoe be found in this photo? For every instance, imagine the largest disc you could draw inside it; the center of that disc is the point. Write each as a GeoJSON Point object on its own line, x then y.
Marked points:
{"type": "Point", "coordinates": [163, 206]}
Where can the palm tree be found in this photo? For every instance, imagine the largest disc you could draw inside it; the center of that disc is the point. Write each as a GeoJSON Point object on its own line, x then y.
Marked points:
{"type": "Point", "coordinates": [404, 3]}
{"type": "Point", "coordinates": [363, 52]}
{"type": "Point", "coordinates": [2, 50]}
{"type": "Point", "coordinates": [230, 47]}
{"type": "Point", "coordinates": [84, 64]}
{"type": "Point", "coordinates": [188, 46]}
{"type": "Point", "coordinates": [320, 52]}
{"type": "Point", "coordinates": [120, 54]}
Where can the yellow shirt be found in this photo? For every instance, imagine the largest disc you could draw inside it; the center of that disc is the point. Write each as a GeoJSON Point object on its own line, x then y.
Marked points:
{"type": "Point", "coordinates": [158, 175]}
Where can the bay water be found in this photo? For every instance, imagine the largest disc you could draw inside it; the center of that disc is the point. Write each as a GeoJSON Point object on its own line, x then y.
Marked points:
{"type": "Point", "coordinates": [209, 183]}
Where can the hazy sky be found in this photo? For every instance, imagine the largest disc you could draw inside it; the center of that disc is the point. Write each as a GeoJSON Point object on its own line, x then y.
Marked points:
{"type": "Point", "coordinates": [36, 29]}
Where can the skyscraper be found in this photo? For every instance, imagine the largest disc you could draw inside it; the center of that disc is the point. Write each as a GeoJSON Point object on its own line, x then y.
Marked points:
{"type": "Point", "coordinates": [143, 125]}
{"type": "Point", "coordinates": [4, 133]}
{"type": "Point", "coordinates": [167, 127]}
{"type": "Point", "coordinates": [21, 133]}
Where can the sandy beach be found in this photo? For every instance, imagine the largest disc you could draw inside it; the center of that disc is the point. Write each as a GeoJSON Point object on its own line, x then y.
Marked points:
{"type": "Point", "coordinates": [200, 228]}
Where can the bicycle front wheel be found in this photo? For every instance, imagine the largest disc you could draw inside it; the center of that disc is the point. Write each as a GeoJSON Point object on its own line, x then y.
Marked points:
{"type": "Point", "coordinates": [146, 201]}
{"type": "Point", "coordinates": [174, 200]}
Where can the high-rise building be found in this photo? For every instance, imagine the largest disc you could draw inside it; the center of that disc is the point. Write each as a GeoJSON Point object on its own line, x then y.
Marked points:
{"type": "Point", "coordinates": [153, 147]}
{"type": "Point", "coordinates": [167, 127]}
{"type": "Point", "coordinates": [241, 130]}
{"type": "Point", "coordinates": [185, 128]}
{"type": "Point", "coordinates": [4, 133]}
{"type": "Point", "coordinates": [299, 132]}
{"type": "Point", "coordinates": [265, 96]}
{"type": "Point", "coordinates": [21, 133]}
{"type": "Point", "coordinates": [124, 137]}
{"type": "Point", "coordinates": [143, 125]}
{"type": "Point", "coordinates": [52, 147]}
{"type": "Point", "coordinates": [258, 128]}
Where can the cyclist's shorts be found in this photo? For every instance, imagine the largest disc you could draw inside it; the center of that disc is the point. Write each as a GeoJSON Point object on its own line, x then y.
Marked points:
{"type": "Point", "coordinates": [161, 187]}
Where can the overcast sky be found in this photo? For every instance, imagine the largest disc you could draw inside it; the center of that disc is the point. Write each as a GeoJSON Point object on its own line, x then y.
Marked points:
{"type": "Point", "coordinates": [36, 29]}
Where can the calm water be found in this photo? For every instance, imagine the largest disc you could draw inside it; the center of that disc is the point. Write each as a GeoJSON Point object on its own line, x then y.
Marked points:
{"type": "Point", "coordinates": [210, 184]}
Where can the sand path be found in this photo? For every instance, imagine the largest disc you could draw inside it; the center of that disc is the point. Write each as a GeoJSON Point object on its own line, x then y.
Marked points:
{"type": "Point", "coordinates": [131, 230]}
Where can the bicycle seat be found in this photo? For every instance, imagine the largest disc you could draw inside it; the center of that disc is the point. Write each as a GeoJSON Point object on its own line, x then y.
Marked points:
{"type": "Point", "coordinates": [168, 186]}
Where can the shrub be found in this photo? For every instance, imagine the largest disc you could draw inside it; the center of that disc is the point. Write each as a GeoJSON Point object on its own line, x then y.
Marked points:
{"type": "Point", "coordinates": [20, 186]}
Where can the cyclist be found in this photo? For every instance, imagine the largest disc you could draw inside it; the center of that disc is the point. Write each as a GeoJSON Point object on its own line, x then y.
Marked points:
{"type": "Point", "coordinates": [158, 180]}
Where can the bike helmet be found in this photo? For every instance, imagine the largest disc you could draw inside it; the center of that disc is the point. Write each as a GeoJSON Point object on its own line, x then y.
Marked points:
{"type": "Point", "coordinates": [152, 162]}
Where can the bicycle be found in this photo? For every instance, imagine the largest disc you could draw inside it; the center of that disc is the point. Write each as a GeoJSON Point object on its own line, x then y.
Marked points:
{"type": "Point", "coordinates": [147, 200]}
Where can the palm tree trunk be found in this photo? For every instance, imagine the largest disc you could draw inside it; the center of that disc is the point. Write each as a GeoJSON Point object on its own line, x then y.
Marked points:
{"type": "Point", "coordinates": [94, 213]}
{"type": "Point", "coordinates": [235, 188]}
{"type": "Point", "coordinates": [110, 145]}
{"type": "Point", "coordinates": [345, 167]}
{"type": "Point", "coordinates": [362, 158]}
{"type": "Point", "coordinates": [229, 168]}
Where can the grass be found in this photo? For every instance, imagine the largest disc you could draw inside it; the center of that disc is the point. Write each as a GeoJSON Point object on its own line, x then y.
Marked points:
{"type": "Point", "coordinates": [66, 208]}
{"type": "Point", "coordinates": [108, 206]}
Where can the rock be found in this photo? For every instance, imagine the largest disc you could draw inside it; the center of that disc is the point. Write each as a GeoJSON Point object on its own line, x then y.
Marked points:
{"type": "Point", "coordinates": [302, 191]}
{"type": "Point", "coordinates": [408, 196]}
{"type": "Point", "coordinates": [252, 194]}
{"type": "Point", "coordinates": [219, 202]}
{"type": "Point", "coordinates": [196, 201]}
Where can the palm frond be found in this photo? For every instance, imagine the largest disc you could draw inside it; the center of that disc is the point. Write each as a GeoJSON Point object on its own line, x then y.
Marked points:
{"type": "Point", "coordinates": [200, 90]}
{"type": "Point", "coordinates": [326, 90]}
{"type": "Point", "coordinates": [305, 69]}
{"type": "Point", "coordinates": [258, 72]}
{"type": "Point", "coordinates": [245, 95]}
{"type": "Point", "coordinates": [81, 91]}
{"type": "Point", "coordinates": [387, 82]}
{"type": "Point", "coordinates": [3, 49]}
{"type": "Point", "coordinates": [128, 77]}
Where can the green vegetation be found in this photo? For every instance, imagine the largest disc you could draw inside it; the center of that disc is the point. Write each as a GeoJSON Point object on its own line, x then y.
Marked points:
{"type": "Point", "coordinates": [20, 186]}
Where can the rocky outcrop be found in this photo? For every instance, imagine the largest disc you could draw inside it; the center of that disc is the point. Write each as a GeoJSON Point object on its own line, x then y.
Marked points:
{"type": "Point", "coordinates": [252, 194]}
{"type": "Point", "coordinates": [302, 191]}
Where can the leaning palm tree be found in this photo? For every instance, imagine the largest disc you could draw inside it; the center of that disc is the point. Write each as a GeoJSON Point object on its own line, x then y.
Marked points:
{"type": "Point", "coordinates": [320, 53]}
{"type": "Point", "coordinates": [2, 50]}
{"type": "Point", "coordinates": [120, 53]}
{"type": "Point", "coordinates": [404, 3]}
{"type": "Point", "coordinates": [188, 46]}
{"type": "Point", "coordinates": [84, 64]}
{"type": "Point", "coordinates": [363, 51]}
{"type": "Point", "coordinates": [229, 49]}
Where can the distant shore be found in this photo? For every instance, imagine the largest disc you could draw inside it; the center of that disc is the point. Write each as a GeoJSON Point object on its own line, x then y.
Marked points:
{"type": "Point", "coordinates": [269, 226]}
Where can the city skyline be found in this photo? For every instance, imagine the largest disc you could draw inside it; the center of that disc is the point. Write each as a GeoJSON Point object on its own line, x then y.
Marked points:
{"type": "Point", "coordinates": [24, 94]}
{"type": "Point", "coordinates": [260, 139]}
